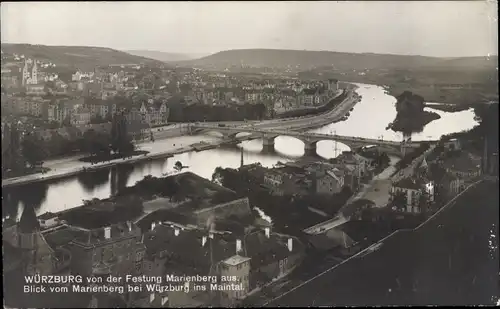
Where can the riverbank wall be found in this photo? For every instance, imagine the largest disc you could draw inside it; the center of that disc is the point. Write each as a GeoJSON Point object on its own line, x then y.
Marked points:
{"type": "Point", "coordinates": [313, 122]}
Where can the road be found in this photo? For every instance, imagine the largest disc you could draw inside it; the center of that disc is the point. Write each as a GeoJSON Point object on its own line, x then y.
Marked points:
{"type": "Point", "coordinates": [376, 190]}
{"type": "Point", "coordinates": [172, 145]}
{"type": "Point", "coordinates": [452, 259]}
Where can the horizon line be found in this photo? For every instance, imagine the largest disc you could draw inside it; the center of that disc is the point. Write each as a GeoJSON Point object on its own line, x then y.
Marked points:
{"type": "Point", "coordinates": [259, 48]}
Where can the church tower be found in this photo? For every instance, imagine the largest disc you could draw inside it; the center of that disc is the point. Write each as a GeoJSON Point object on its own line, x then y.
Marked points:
{"type": "Point", "coordinates": [37, 256]}
{"type": "Point", "coordinates": [26, 72]}
{"type": "Point", "coordinates": [34, 73]}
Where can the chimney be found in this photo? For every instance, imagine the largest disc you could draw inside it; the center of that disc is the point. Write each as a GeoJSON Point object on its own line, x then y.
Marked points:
{"type": "Point", "coordinates": [107, 232]}
{"type": "Point", "coordinates": [203, 241]}
{"type": "Point", "coordinates": [151, 297]}
{"type": "Point", "coordinates": [176, 232]}
{"type": "Point", "coordinates": [290, 244]}
{"type": "Point", "coordinates": [268, 232]}
{"type": "Point", "coordinates": [153, 225]}
{"type": "Point", "coordinates": [164, 300]}
{"type": "Point", "coordinates": [129, 224]}
{"type": "Point", "coordinates": [238, 245]}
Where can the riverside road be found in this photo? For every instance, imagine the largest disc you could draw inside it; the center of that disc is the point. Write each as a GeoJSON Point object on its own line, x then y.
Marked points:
{"type": "Point", "coordinates": [452, 259]}
{"type": "Point", "coordinates": [168, 147]}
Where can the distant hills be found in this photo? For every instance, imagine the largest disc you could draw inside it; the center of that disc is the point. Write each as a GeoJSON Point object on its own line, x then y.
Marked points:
{"type": "Point", "coordinates": [163, 56]}
{"type": "Point", "coordinates": [302, 59]}
{"type": "Point", "coordinates": [77, 56]}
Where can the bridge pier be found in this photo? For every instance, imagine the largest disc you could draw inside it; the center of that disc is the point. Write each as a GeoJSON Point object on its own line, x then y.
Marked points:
{"type": "Point", "coordinates": [268, 143]}
{"type": "Point", "coordinates": [309, 148]}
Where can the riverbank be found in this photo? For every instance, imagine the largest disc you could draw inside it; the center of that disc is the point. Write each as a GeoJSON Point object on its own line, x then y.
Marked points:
{"type": "Point", "coordinates": [294, 124]}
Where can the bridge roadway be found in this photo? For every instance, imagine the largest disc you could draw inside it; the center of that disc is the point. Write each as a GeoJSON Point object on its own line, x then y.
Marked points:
{"type": "Point", "coordinates": [231, 132]}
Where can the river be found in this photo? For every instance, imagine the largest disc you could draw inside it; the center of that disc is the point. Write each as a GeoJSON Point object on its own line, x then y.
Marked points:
{"type": "Point", "coordinates": [368, 120]}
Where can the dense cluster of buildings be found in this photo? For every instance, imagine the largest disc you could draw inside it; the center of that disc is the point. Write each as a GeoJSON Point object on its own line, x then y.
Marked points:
{"type": "Point", "coordinates": [34, 88]}
{"type": "Point", "coordinates": [439, 176]}
{"type": "Point", "coordinates": [315, 177]}
{"type": "Point", "coordinates": [212, 234]}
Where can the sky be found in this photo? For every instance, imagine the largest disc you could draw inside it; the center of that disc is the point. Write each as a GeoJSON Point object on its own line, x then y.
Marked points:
{"type": "Point", "coordinates": [440, 29]}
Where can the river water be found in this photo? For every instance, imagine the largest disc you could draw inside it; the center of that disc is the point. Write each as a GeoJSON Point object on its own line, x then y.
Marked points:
{"type": "Point", "coordinates": [369, 119]}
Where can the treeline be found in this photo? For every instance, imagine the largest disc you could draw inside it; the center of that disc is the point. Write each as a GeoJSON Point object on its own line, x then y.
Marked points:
{"type": "Point", "coordinates": [411, 117]}
{"type": "Point", "coordinates": [24, 152]}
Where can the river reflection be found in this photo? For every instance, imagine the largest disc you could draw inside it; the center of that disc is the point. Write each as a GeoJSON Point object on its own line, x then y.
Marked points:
{"type": "Point", "coordinates": [369, 119]}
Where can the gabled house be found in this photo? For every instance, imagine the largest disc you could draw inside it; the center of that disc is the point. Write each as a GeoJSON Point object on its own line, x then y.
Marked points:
{"type": "Point", "coordinates": [414, 191]}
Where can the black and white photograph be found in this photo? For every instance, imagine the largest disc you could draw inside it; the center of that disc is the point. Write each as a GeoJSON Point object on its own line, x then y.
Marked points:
{"type": "Point", "coordinates": [199, 154]}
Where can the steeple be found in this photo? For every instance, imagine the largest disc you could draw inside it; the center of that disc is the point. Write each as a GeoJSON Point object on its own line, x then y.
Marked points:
{"type": "Point", "coordinates": [29, 222]}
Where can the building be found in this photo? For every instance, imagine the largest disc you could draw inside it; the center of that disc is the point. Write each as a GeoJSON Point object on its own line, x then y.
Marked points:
{"type": "Point", "coordinates": [38, 255]}
{"type": "Point", "coordinates": [36, 89]}
{"type": "Point", "coordinates": [62, 110]}
{"type": "Point", "coordinates": [329, 182]}
{"type": "Point", "coordinates": [30, 74]}
{"type": "Point", "coordinates": [155, 114]}
{"type": "Point", "coordinates": [248, 259]}
{"type": "Point", "coordinates": [463, 164]}
{"type": "Point", "coordinates": [115, 249]}
{"type": "Point", "coordinates": [80, 116]}
{"type": "Point", "coordinates": [286, 181]}
{"type": "Point", "coordinates": [413, 190]}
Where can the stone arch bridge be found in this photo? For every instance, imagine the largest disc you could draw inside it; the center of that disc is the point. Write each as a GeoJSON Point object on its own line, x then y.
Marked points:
{"type": "Point", "coordinates": [310, 140]}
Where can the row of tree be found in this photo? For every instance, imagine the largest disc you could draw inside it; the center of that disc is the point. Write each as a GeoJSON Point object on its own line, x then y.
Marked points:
{"type": "Point", "coordinates": [23, 152]}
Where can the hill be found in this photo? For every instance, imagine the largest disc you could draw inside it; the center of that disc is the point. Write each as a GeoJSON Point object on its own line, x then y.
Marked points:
{"type": "Point", "coordinates": [77, 56]}
{"type": "Point", "coordinates": [302, 59]}
{"type": "Point", "coordinates": [161, 56]}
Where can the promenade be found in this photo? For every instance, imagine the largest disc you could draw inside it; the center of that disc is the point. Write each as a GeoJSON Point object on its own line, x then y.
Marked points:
{"type": "Point", "coordinates": [175, 144]}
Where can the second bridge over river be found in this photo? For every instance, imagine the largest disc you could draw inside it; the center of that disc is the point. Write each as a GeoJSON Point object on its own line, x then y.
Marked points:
{"type": "Point", "coordinates": [310, 140]}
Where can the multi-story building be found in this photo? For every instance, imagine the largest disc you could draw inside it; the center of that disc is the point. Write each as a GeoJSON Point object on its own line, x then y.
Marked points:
{"type": "Point", "coordinates": [30, 75]}
{"type": "Point", "coordinates": [63, 109]}
{"type": "Point", "coordinates": [36, 90]}
{"type": "Point", "coordinates": [38, 256]}
{"type": "Point", "coordinates": [80, 116]}
{"type": "Point", "coordinates": [10, 78]}
{"type": "Point", "coordinates": [413, 189]}
{"type": "Point", "coordinates": [245, 260]}
{"type": "Point", "coordinates": [101, 109]}
{"type": "Point", "coordinates": [464, 165]}
{"type": "Point", "coordinates": [287, 181]}
{"type": "Point", "coordinates": [154, 114]}
{"type": "Point", "coordinates": [329, 182]}
{"type": "Point", "coordinates": [116, 249]}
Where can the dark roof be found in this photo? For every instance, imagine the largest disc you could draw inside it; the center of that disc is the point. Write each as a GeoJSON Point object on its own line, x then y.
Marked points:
{"type": "Point", "coordinates": [409, 183]}
{"type": "Point", "coordinates": [188, 253]}
{"type": "Point", "coordinates": [47, 215]}
{"type": "Point", "coordinates": [29, 222]}
{"type": "Point", "coordinates": [120, 230]}
{"type": "Point", "coordinates": [309, 91]}
{"type": "Point", "coordinates": [322, 242]}
{"type": "Point", "coordinates": [462, 162]}
{"type": "Point", "coordinates": [359, 230]}
{"type": "Point", "coordinates": [60, 237]}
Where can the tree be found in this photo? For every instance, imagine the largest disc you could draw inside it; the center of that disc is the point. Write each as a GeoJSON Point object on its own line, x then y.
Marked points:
{"type": "Point", "coordinates": [399, 200]}
{"type": "Point", "coordinates": [383, 159]}
{"type": "Point", "coordinates": [54, 125]}
{"type": "Point", "coordinates": [33, 150]}
{"type": "Point", "coordinates": [96, 143]}
{"type": "Point", "coordinates": [97, 119]}
{"type": "Point", "coordinates": [12, 158]}
{"type": "Point", "coordinates": [120, 139]}
{"type": "Point", "coordinates": [424, 201]}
